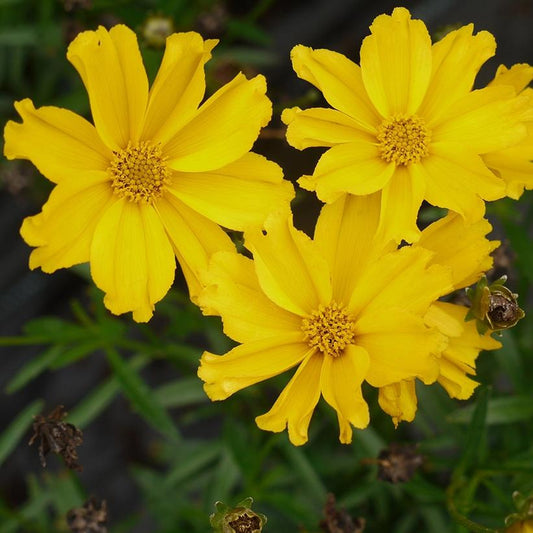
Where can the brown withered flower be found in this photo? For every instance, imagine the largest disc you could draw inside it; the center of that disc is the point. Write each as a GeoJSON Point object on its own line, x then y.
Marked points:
{"type": "Point", "coordinates": [58, 437]}
{"type": "Point", "coordinates": [338, 520]}
{"type": "Point", "coordinates": [398, 462]}
{"type": "Point", "coordinates": [493, 306]}
{"type": "Point", "coordinates": [91, 518]}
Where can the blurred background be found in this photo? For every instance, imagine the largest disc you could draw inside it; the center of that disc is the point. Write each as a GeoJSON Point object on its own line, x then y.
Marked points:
{"type": "Point", "coordinates": [126, 462]}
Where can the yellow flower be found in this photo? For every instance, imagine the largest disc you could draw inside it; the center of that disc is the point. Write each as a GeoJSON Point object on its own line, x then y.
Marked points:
{"type": "Point", "coordinates": [406, 122]}
{"type": "Point", "coordinates": [515, 164]}
{"type": "Point", "coordinates": [343, 307]}
{"type": "Point", "coordinates": [154, 176]}
{"type": "Point", "coordinates": [523, 526]}
{"type": "Point", "coordinates": [465, 250]}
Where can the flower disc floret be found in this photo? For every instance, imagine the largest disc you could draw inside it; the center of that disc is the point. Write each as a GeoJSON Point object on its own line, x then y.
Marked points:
{"type": "Point", "coordinates": [403, 140]}
{"type": "Point", "coordinates": [329, 329]}
{"type": "Point", "coordinates": [139, 172]}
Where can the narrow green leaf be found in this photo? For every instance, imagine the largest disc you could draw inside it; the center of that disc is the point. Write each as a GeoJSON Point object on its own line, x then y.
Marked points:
{"type": "Point", "coordinates": [184, 391]}
{"type": "Point", "coordinates": [21, 36]}
{"type": "Point", "coordinates": [226, 475]}
{"type": "Point", "coordinates": [304, 468]}
{"type": "Point", "coordinates": [499, 411]}
{"type": "Point", "coordinates": [141, 396]}
{"type": "Point", "coordinates": [191, 462]}
{"type": "Point", "coordinates": [475, 437]}
{"type": "Point", "coordinates": [100, 397]}
{"type": "Point", "coordinates": [15, 431]}
{"type": "Point", "coordinates": [33, 368]}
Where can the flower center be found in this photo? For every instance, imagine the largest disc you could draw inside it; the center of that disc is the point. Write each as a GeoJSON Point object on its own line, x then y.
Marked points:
{"type": "Point", "coordinates": [330, 329]}
{"type": "Point", "coordinates": [403, 140]}
{"type": "Point", "coordinates": [139, 172]}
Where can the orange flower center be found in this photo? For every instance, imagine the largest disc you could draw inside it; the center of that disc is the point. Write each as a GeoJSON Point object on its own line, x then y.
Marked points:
{"type": "Point", "coordinates": [139, 172]}
{"type": "Point", "coordinates": [330, 329]}
{"type": "Point", "coordinates": [403, 140]}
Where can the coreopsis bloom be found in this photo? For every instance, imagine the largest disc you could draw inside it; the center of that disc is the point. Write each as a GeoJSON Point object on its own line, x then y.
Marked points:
{"type": "Point", "coordinates": [515, 164]}
{"type": "Point", "coordinates": [407, 122]}
{"type": "Point", "coordinates": [465, 250]}
{"type": "Point", "coordinates": [155, 174]}
{"type": "Point", "coordinates": [522, 526]}
{"type": "Point", "coordinates": [343, 308]}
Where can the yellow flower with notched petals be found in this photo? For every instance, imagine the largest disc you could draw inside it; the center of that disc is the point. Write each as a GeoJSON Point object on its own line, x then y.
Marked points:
{"type": "Point", "coordinates": [406, 122]}
{"type": "Point", "coordinates": [515, 164]}
{"type": "Point", "coordinates": [155, 174]}
{"type": "Point", "coordinates": [522, 526]}
{"type": "Point", "coordinates": [466, 251]}
{"type": "Point", "coordinates": [343, 308]}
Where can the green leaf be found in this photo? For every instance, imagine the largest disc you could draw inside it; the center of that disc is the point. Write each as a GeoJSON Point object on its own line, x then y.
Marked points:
{"type": "Point", "coordinates": [100, 397]}
{"type": "Point", "coordinates": [184, 391]}
{"type": "Point", "coordinates": [141, 396]}
{"type": "Point", "coordinates": [21, 36]}
{"type": "Point", "coordinates": [475, 437]}
{"type": "Point", "coordinates": [33, 368]}
{"type": "Point", "coordinates": [191, 461]}
{"type": "Point", "coordinates": [499, 411]}
{"type": "Point", "coordinates": [14, 432]}
{"type": "Point", "coordinates": [304, 468]}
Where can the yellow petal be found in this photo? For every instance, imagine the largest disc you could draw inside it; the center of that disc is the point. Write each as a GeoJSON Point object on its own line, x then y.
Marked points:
{"type": "Point", "coordinates": [238, 195]}
{"type": "Point", "coordinates": [178, 87]}
{"type": "Point", "coordinates": [401, 280]}
{"type": "Point", "coordinates": [459, 181]}
{"type": "Point", "coordinates": [295, 405]}
{"type": "Point", "coordinates": [464, 344]}
{"type": "Point", "coordinates": [194, 238]}
{"type": "Point", "coordinates": [458, 52]}
{"type": "Point", "coordinates": [399, 401]}
{"type": "Point", "coordinates": [514, 165]}
{"type": "Point", "coordinates": [64, 229]}
{"type": "Point", "coordinates": [340, 382]}
{"type": "Point", "coordinates": [518, 76]}
{"type": "Point", "coordinates": [340, 81]}
{"type": "Point", "coordinates": [396, 63]}
{"type": "Point", "coordinates": [233, 292]}
{"type": "Point", "coordinates": [321, 127]}
{"type": "Point", "coordinates": [354, 168]}
{"type": "Point", "coordinates": [401, 199]}
{"type": "Point", "coordinates": [131, 259]}
{"type": "Point", "coordinates": [249, 363]}
{"type": "Point", "coordinates": [111, 67]}
{"type": "Point", "coordinates": [346, 235]}
{"type": "Point", "coordinates": [400, 347]}
{"type": "Point", "coordinates": [289, 267]}
{"type": "Point", "coordinates": [485, 120]}
{"type": "Point", "coordinates": [224, 128]}
{"type": "Point", "coordinates": [61, 144]}
{"type": "Point", "coordinates": [462, 247]}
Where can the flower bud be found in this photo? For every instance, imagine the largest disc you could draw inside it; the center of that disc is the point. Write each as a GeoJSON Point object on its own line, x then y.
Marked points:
{"type": "Point", "coordinates": [239, 519]}
{"type": "Point", "coordinates": [493, 306]}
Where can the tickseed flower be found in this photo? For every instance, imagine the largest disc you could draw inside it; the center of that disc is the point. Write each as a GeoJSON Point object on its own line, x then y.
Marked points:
{"type": "Point", "coordinates": [155, 174]}
{"type": "Point", "coordinates": [515, 164]}
{"type": "Point", "coordinates": [343, 308]}
{"type": "Point", "coordinates": [523, 526]}
{"type": "Point", "coordinates": [406, 122]}
{"type": "Point", "coordinates": [466, 252]}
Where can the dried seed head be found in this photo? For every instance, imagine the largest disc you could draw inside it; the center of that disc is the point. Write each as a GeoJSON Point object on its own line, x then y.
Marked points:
{"type": "Point", "coordinates": [398, 462]}
{"type": "Point", "coordinates": [91, 518]}
{"type": "Point", "coordinates": [338, 520]}
{"type": "Point", "coordinates": [58, 437]}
